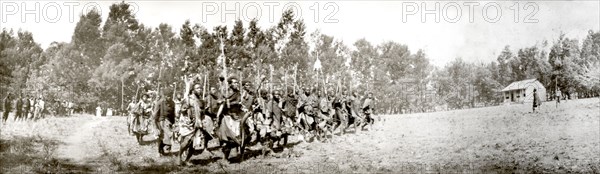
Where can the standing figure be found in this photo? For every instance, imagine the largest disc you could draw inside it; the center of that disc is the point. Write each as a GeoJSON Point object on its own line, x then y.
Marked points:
{"type": "Point", "coordinates": [98, 111]}
{"type": "Point", "coordinates": [130, 114]}
{"type": "Point", "coordinates": [32, 102]}
{"type": "Point", "coordinates": [558, 95]}
{"type": "Point", "coordinates": [109, 112]}
{"type": "Point", "coordinates": [39, 108]}
{"type": "Point", "coordinates": [143, 113]}
{"type": "Point", "coordinates": [7, 107]}
{"type": "Point", "coordinates": [164, 111]}
{"type": "Point", "coordinates": [19, 108]}
{"type": "Point", "coordinates": [536, 100]}
{"type": "Point", "coordinates": [26, 108]}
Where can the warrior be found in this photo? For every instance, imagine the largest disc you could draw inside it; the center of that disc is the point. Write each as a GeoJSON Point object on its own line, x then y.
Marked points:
{"type": "Point", "coordinates": [198, 117]}
{"type": "Point", "coordinates": [355, 118]}
{"type": "Point", "coordinates": [290, 108]}
{"type": "Point", "coordinates": [341, 112]}
{"type": "Point", "coordinates": [306, 109]}
{"type": "Point", "coordinates": [247, 95]}
{"type": "Point", "coordinates": [230, 120]}
{"type": "Point", "coordinates": [131, 107]}
{"type": "Point", "coordinates": [367, 109]}
{"type": "Point", "coordinates": [196, 128]}
{"type": "Point", "coordinates": [276, 104]}
{"type": "Point", "coordinates": [164, 112]}
{"type": "Point", "coordinates": [143, 112]}
{"type": "Point", "coordinates": [248, 101]}
{"type": "Point", "coordinates": [324, 114]}
{"type": "Point", "coordinates": [261, 115]}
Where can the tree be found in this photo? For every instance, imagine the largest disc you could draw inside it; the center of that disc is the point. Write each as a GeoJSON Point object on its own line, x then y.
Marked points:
{"type": "Point", "coordinates": [19, 56]}
{"type": "Point", "coordinates": [563, 60]}
{"type": "Point", "coordinates": [363, 60]}
{"type": "Point", "coordinates": [504, 68]}
{"type": "Point", "coordinates": [87, 37]}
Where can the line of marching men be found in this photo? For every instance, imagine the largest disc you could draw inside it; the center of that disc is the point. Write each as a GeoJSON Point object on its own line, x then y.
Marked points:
{"type": "Point", "coordinates": [266, 117]}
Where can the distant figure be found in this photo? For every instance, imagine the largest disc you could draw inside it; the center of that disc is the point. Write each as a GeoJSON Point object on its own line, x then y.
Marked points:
{"type": "Point", "coordinates": [98, 111]}
{"type": "Point", "coordinates": [109, 112]}
{"type": "Point", "coordinates": [70, 108]}
{"type": "Point", "coordinates": [7, 107]}
{"type": "Point", "coordinates": [39, 108]}
{"type": "Point", "coordinates": [558, 94]}
{"type": "Point", "coordinates": [536, 100]}
{"type": "Point", "coordinates": [32, 102]}
{"type": "Point", "coordinates": [19, 108]}
{"type": "Point", "coordinates": [130, 114]}
{"type": "Point", "coordinates": [26, 108]}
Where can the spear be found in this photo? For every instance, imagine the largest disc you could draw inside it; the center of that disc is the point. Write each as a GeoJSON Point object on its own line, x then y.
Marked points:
{"type": "Point", "coordinates": [174, 90]}
{"type": "Point", "coordinates": [285, 81]}
{"type": "Point", "coordinates": [241, 74]}
{"type": "Point", "coordinates": [337, 90]}
{"type": "Point", "coordinates": [159, 77]}
{"type": "Point", "coordinates": [224, 71]}
{"type": "Point", "coordinates": [270, 78]}
{"type": "Point", "coordinates": [295, 82]}
{"type": "Point", "coordinates": [204, 87]}
{"type": "Point", "coordinates": [137, 90]}
{"type": "Point", "coordinates": [259, 81]}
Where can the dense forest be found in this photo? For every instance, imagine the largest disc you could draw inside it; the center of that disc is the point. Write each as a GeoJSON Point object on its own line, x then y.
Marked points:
{"type": "Point", "coordinates": [111, 59]}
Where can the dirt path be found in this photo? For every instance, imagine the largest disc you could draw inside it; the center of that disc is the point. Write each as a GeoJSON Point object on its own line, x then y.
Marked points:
{"type": "Point", "coordinates": [76, 146]}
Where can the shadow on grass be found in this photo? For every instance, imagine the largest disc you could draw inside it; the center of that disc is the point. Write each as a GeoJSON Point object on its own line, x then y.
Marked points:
{"type": "Point", "coordinates": [34, 154]}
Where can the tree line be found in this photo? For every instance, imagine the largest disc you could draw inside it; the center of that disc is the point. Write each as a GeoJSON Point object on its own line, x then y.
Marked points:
{"type": "Point", "coordinates": [105, 61]}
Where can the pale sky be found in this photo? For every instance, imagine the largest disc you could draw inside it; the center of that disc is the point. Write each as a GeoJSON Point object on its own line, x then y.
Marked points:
{"type": "Point", "coordinates": [378, 21]}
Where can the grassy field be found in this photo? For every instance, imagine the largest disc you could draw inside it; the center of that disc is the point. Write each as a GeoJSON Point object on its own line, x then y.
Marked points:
{"type": "Point", "coordinates": [496, 139]}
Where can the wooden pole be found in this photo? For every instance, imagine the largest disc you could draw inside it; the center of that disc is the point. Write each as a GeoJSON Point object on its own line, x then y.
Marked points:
{"type": "Point", "coordinates": [285, 82]}
{"type": "Point", "coordinates": [159, 77]}
{"type": "Point", "coordinates": [270, 78]}
{"type": "Point", "coordinates": [224, 70]}
{"type": "Point", "coordinates": [204, 87]}
{"type": "Point", "coordinates": [136, 91]}
{"type": "Point", "coordinates": [295, 81]}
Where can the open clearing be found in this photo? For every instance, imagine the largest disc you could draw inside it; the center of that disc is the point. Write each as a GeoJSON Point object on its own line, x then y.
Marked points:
{"type": "Point", "coordinates": [495, 139]}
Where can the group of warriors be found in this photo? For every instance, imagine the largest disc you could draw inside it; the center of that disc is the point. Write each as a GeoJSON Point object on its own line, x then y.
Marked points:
{"type": "Point", "coordinates": [33, 108]}
{"type": "Point", "coordinates": [241, 115]}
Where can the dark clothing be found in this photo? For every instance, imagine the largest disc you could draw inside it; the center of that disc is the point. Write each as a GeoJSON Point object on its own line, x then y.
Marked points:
{"type": "Point", "coordinates": [276, 114]}
{"type": "Point", "coordinates": [290, 107]}
{"type": "Point", "coordinates": [7, 104]}
{"type": "Point", "coordinates": [7, 108]}
{"type": "Point", "coordinates": [536, 100]}
{"type": "Point", "coordinates": [26, 107]}
{"type": "Point", "coordinates": [164, 110]}
{"type": "Point", "coordinates": [235, 106]}
{"type": "Point", "coordinates": [213, 105]}
{"type": "Point", "coordinates": [19, 108]}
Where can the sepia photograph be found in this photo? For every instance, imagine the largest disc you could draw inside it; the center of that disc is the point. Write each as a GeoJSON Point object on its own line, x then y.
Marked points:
{"type": "Point", "coordinates": [351, 86]}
